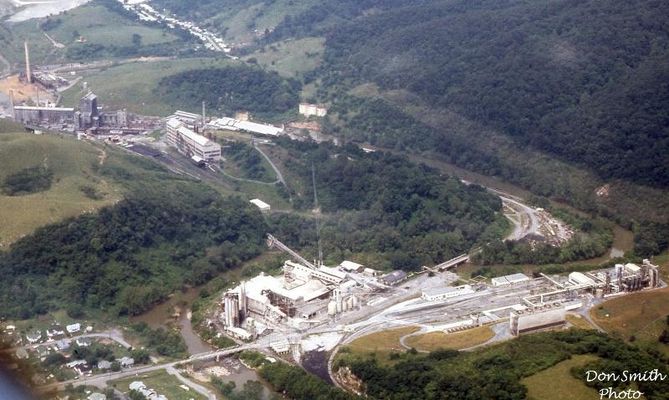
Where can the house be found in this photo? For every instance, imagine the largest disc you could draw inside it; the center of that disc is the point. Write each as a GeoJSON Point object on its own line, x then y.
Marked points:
{"type": "Point", "coordinates": [74, 328]}
{"type": "Point", "coordinates": [104, 365]}
{"type": "Point", "coordinates": [83, 342]}
{"type": "Point", "coordinates": [127, 362]}
{"type": "Point", "coordinates": [97, 396]}
{"type": "Point", "coordinates": [75, 364]}
{"type": "Point", "coordinates": [55, 332]}
{"type": "Point", "coordinates": [62, 345]}
{"type": "Point", "coordinates": [34, 337]}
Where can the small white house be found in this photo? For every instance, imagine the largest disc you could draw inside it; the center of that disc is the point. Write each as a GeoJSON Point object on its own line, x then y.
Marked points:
{"type": "Point", "coordinates": [74, 328]}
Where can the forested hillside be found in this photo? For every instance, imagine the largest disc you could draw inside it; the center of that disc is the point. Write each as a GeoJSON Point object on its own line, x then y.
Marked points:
{"type": "Point", "coordinates": [231, 89]}
{"type": "Point", "coordinates": [167, 232]}
{"type": "Point", "coordinates": [400, 214]}
{"type": "Point", "coordinates": [584, 80]}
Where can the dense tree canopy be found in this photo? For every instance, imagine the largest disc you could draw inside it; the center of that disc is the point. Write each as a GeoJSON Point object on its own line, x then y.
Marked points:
{"type": "Point", "coordinates": [384, 204]}
{"type": "Point", "coordinates": [130, 255]}
{"type": "Point", "coordinates": [581, 79]}
{"type": "Point", "coordinates": [231, 89]}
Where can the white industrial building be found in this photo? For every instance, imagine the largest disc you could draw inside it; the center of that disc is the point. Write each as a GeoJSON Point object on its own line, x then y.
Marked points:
{"type": "Point", "coordinates": [578, 278]}
{"type": "Point", "coordinates": [301, 292]}
{"type": "Point", "coordinates": [191, 144]}
{"type": "Point", "coordinates": [509, 279]}
{"type": "Point", "coordinates": [351, 266]}
{"type": "Point", "coordinates": [532, 319]}
{"type": "Point", "coordinates": [443, 293]}
{"type": "Point", "coordinates": [232, 124]}
{"type": "Point", "coordinates": [264, 207]}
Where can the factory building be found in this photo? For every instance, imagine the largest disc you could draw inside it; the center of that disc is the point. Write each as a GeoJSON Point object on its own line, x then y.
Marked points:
{"type": "Point", "coordinates": [42, 116]}
{"type": "Point", "coordinates": [509, 279]}
{"type": "Point", "coordinates": [443, 293]}
{"type": "Point", "coordinates": [232, 124]}
{"type": "Point", "coordinates": [351, 266]}
{"type": "Point", "coordinates": [190, 144]}
{"type": "Point", "coordinates": [538, 318]}
{"type": "Point", "coordinates": [190, 120]}
{"type": "Point", "coordinates": [393, 278]}
{"type": "Point", "coordinates": [578, 278]}
{"type": "Point", "coordinates": [87, 115]}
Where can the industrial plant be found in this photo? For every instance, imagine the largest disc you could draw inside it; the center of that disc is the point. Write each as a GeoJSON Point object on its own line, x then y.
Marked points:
{"type": "Point", "coordinates": [312, 297]}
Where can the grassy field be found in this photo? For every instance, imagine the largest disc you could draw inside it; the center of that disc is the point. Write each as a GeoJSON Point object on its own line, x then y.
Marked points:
{"type": "Point", "coordinates": [381, 343]}
{"type": "Point", "coordinates": [557, 383]}
{"type": "Point", "coordinates": [579, 322]}
{"type": "Point", "coordinates": [95, 23]}
{"type": "Point", "coordinates": [634, 315]}
{"type": "Point", "coordinates": [291, 58]}
{"type": "Point", "coordinates": [162, 382]}
{"type": "Point", "coordinates": [72, 163]}
{"type": "Point", "coordinates": [132, 85]}
{"type": "Point", "coordinates": [459, 340]}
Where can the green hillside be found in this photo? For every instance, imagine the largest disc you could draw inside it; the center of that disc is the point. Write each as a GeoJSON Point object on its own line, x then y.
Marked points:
{"type": "Point", "coordinates": [87, 32]}
{"type": "Point", "coordinates": [585, 80]}
{"type": "Point", "coordinates": [76, 185]}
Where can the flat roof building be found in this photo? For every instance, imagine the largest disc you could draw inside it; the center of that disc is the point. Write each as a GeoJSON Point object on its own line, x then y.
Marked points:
{"type": "Point", "coordinates": [190, 143]}
{"type": "Point", "coordinates": [509, 279]}
{"type": "Point", "coordinates": [264, 207]}
{"type": "Point", "coordinates": [247, 126]}
{"type": "Point", "coordinates": [443, 293]}
{"type": "Point", "coordinates": [394, 277]}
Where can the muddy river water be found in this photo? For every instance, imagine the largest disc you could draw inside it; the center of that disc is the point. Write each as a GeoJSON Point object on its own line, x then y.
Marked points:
{"type": "Point", "coordinates": [163, 315]}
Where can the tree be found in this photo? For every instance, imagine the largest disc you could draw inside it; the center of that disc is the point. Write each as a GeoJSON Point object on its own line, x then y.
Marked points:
{"type": "Point", "coordinates": [136, 39]}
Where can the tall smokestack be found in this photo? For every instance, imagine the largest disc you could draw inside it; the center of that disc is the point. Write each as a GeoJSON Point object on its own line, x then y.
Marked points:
{"type": "Point", "coordinates": [29, 76]}
{"type": "Point", "coordinates": [203, 115]}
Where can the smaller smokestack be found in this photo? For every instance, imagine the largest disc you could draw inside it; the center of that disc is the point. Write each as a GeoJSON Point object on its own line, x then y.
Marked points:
{"type": "Point", "coordinates": [204, 115]}
{"type": "Point", "coordinates": [11, 101]}
{"type": "Point", "coordinates": [29, 77]}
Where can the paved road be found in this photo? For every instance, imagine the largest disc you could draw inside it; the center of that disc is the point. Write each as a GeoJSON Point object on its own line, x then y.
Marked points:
{"type": "Point", "coordinates": [101, 380]}
{"type": "Point", "coordinates": [198, 388]}
{"type": "Point", "coordinates": [274, 167]}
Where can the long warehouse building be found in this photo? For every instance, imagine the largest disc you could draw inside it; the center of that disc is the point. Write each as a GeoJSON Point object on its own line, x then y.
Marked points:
{"type": "Point", "coordinates": [191, 144]}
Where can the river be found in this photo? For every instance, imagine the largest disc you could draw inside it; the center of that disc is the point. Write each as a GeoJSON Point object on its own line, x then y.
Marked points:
{"type": "Point", "coordinates": [42, 8]}
{"type": "Point", "coordinates": [176, 309]}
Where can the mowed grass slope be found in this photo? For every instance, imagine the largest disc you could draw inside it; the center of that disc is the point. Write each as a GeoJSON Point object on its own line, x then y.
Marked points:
{"type": "Point", "coordinates": [639, 314]}
{"type": "Point", "coordinates": [132, 85]}
{"type": "Point", "coordinates": [291, 58]}
{"type": "Point", "coordinates": [459, 340]}
{"type": "Point", "coordinates": [72, 163]}
{"type": "Point", "coordinates": [557, 382]}
{"type": "Point", "coordinates": [382, 344]}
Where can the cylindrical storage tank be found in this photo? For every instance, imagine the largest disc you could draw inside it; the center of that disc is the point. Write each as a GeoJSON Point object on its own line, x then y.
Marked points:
{"type": "Point", "coordinates": [354, 301]}
{"type": "Point", "coordinates": [349, 303]}
{"type": "Point", "coordinates": [332, 308]}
